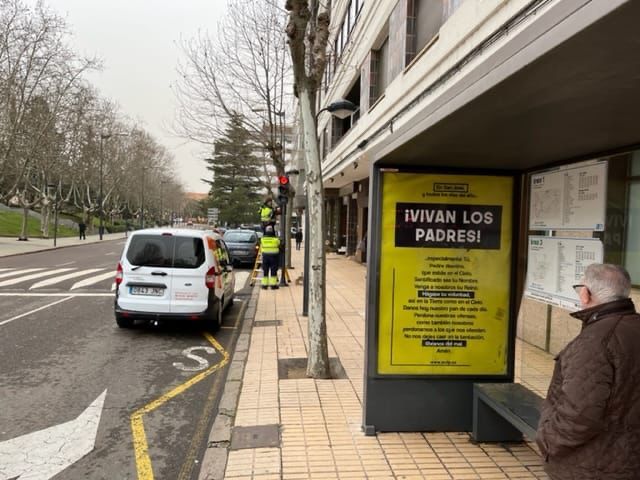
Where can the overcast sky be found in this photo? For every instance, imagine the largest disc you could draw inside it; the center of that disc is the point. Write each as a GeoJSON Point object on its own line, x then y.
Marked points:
{"type": "Point", "coordinates": [138, 43]}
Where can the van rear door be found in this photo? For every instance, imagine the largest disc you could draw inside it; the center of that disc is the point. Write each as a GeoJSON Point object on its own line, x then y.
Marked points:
{"type": "Point", "coordinates": [146, 266]}
{"type": "Point", "coordinates": [189, 290]}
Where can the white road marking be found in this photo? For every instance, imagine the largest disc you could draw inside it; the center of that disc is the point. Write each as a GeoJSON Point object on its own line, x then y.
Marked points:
{"type": "Point", "coordinates": [45, 453]}
{"type": "Point", "coordinates": [93, 280]}
{"type": "Point", "coordinates": [4, 322]}
{"type": "Point", "coordinates": [202, 363]}
{"type": "Point", "coordinates": [31, 276]}
{"type": "Point", "coordinates": [113, 287]}
{"type": "Point", "coordinates": [19, 272]}
{"type": "Point", "coordinates": [62, 278]}
{"type": "Point", "coordinates": [241, 280]}
{"type": "Point", "coordinates": [6, 269]}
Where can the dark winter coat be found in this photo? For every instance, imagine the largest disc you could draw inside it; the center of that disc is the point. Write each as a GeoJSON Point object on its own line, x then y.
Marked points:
{"type": "Point", "coordinates": [590, 422]}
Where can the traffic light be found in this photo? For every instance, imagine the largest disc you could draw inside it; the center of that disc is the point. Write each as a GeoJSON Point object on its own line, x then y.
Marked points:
{"type": "Point", "coordinates": [283, 189]}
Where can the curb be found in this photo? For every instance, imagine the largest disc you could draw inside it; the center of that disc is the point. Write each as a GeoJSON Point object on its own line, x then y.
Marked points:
{"type": "Point", "coordinates": [48, 249]}
{"type": "Point", "coordinates": [214, 462]}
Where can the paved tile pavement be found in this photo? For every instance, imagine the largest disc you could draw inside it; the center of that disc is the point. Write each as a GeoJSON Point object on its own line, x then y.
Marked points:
{"type": "Point", "coordinates": [320, 419]}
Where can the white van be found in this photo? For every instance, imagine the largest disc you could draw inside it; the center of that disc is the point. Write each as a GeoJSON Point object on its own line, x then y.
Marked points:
{"type": "Point", "coordinates": [173, 274]}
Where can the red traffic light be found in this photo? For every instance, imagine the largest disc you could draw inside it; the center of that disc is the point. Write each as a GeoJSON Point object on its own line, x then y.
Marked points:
{"type": "Point", "coordinates": [283, 180]}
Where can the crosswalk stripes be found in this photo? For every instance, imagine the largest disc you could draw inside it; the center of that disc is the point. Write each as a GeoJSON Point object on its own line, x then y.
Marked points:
{"type": "Point", "coordinates": [93, 280]}
{"type": "Point", "coordinates": [68, 276]}
{"type": "Point", "coordinates": [31, 276]}
{"type": "Point", "coordinates": [49, 277]}
{"type": "Point", "coordinates": [14, 272]}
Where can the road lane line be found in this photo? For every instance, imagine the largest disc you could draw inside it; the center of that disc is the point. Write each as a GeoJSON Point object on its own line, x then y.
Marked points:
{"type": "Point", "coordinates": [62, 278]}
{"type": "Point", "coordinates": [93, 280]}
{"type": "Point", "coordinates": [4, 322]}
{"type": "Point", "coordinates": [31, 276]}
{"type": "Point", "coordinates": [6, 269]}
{"type": "Point", "coordinates": [65, 264]}
{"type": "Point", "coordinates": [19, 272]}
{"type": "Point", "coordinates": [140, 445]}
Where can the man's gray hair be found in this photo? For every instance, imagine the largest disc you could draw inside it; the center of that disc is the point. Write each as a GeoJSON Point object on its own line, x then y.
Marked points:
{"type": "Point", "coordinates": [607, 282]}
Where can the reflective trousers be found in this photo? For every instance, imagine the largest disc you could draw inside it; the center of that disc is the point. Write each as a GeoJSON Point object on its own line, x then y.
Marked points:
{"type": "Point", "coordinates": [270, 268]}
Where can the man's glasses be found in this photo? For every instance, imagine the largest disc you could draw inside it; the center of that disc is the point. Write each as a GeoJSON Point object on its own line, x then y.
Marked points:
{"type": "Point", "coordinates": [578, 287]}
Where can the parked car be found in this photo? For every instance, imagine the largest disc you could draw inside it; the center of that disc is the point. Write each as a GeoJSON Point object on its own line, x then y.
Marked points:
{"type": "Point", "coordinates": [243, 245]}
{"type": "Point", "coordinates": [173, 274]}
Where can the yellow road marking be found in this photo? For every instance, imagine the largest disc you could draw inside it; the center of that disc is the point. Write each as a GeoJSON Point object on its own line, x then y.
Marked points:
{"type": "Point", "coordinates": [141, 448]}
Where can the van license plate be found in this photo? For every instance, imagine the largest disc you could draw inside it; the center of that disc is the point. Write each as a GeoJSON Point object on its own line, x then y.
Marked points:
{"type": "Point", "coordinates": [149, 291]}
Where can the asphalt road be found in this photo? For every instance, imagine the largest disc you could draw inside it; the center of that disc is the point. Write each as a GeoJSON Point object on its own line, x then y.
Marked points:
{"type": "Point", "coordinates": [69, 376]}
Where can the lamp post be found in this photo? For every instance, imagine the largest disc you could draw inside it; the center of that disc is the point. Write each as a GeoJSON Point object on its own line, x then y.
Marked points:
{"type": "Point", "coordinates": [51, 187]}
{"type": "Point", "coordinates": [162, 182]}
{"type": "Point", "coordinates": [103, 136]}
{"type": "Point", "coordinates": [142, 200]}
{"type": "Point", "coordinates": [341, 108]}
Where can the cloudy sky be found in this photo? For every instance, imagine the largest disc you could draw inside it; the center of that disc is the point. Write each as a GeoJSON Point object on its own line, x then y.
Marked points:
{"type": "Point", "coordinates": [138, 43]}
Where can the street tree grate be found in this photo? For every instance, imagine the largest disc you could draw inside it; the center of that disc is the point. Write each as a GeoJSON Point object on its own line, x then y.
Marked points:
{"type": "Point", "coordinates": [267, 323]}
{"type": "Point", "coordinates": [296, 368]}
{"type": "Point", "coordinates": [259, 436]}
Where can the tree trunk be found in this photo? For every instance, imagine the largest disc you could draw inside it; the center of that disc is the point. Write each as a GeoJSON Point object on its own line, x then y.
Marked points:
{"type": "Point", "coordinates": [24, 234]}
{"type": "Point", "coordinates": [44, 220]}
{"type": "Point", "coordinates": [318, 361]}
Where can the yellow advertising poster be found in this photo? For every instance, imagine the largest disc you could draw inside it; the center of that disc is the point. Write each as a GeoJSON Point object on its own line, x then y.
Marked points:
{"type": "Point", "coordinates": [445, 273]}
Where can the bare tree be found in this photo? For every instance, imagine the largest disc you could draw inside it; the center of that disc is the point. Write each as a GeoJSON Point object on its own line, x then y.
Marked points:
{"type": "Point", "coordinates": [244, 69]}
{"type": "Point", "coordinates": [308, 33]}
{"type": "Point", "coordinates": [37, 72]}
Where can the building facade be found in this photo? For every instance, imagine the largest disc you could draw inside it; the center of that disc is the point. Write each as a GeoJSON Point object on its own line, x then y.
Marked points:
{"type": "Point", "coordinates": [510, 85]}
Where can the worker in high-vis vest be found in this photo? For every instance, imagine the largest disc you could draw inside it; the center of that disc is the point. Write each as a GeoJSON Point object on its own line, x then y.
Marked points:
{"type": "Point", "coordinates": [270, 246]}
{"type": "Point", "coordinates": [267, 214]}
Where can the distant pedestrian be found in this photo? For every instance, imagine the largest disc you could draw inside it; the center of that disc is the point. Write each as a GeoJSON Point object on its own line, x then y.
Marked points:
{"type": "Point", "coordinates": [590, 422]}
{"type": "Point", "coordinates": [82, 228]}
{"type": "Point", "coordinates": [298, 238]}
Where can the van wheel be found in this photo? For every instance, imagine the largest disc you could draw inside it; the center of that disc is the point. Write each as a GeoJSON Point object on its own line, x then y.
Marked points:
{"type": "Point", "coordinates": [124, 322]}
{"type": "Point", "coordinates": [215, 322]}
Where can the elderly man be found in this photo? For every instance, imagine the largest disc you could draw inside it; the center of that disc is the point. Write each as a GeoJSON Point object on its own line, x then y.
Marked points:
{"type": "Point", "coordinates": [590, 423]}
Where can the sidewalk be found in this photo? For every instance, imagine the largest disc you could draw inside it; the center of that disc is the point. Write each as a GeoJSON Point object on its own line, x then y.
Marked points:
{"type": "Point", "coordinates": [12, 246]}
{"type": "Point", "coordinates": [319, 420]}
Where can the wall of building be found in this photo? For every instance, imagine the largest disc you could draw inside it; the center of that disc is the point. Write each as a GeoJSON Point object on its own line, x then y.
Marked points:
{"type": "Point", "coordinates": [469, 25]}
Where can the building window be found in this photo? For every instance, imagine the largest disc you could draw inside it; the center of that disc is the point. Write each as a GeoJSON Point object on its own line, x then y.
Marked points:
{"type": "Point", "coordinates": [424, 19]}
{"type": "Point", "coordinates": [379, 78]}
{"type": "Point", "coordinates": [345, 27]}
{"type": "Point", "coordinates": [632, 243]}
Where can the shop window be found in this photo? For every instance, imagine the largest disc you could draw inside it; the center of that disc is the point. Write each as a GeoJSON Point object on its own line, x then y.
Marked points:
{"type": "Point", "coordinates": [635, 164]}
{"type": "Point", "coordinates": [632, 243]}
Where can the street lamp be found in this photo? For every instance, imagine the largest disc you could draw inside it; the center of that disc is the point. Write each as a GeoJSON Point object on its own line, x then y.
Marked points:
{"type": "Point", "coordinates": [341, 109]}
{"type": "Point", "coordinates": [142, 199]}
{"type": "Point", "coordinates": [162, 182]}
{"type": "Point", "coordinates": [104, 136]}
{"type": "Point", "coordinates": [51, 188]}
